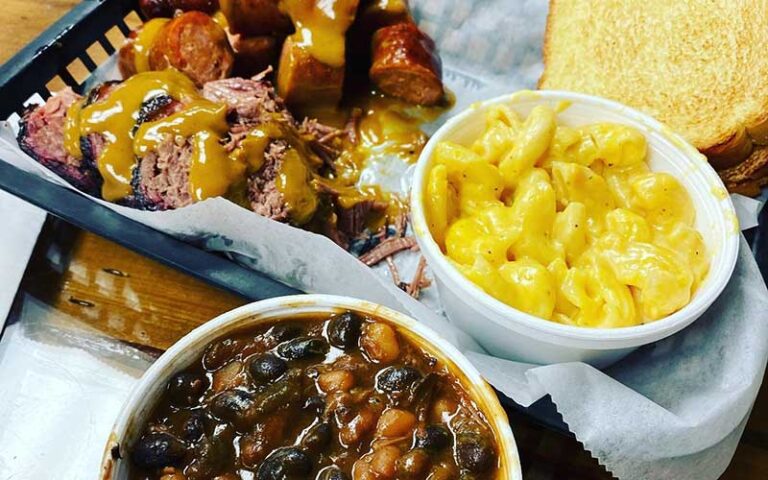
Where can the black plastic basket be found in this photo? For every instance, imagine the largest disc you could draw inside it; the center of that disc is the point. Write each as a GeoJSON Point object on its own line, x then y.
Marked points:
{"type": "Point", "coordinates": [48, 57]}
{"type": "Point", "coordinates": [28, 73]}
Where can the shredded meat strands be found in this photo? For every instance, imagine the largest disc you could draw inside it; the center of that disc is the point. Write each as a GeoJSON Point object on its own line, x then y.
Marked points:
{"type": "Point", "coordinates": [353, 125]}
{"type": "Point", "coordinates": [387, 248]}
{"type": "Point", "coordinates": [414, 288]}
{"type": "Point", "coordinates": [393, 270]}
{"type": "Point", "coordinates": [401, 224]}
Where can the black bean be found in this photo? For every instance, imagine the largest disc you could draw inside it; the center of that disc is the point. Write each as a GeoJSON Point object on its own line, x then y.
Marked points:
{"type": "Point", "coordinates": [156, 450]}
{"type": "Point", "coordinates": [302, 348]}
{"type": "Point", "coordinates": [232, 405]}
{"type": "Point", "coordinates": [434, 438]}
{"type": "Point", "coordinates": [194, 427]}
{"type": "Point", "coordinates": [315, 404]}
{"type": "Point", "coordinates": [474, 452]}
{"type": "Point", "coordinates": [344, 330]}
{"type": "Point", "coordinates": [396, 379]}
{"type": "Point", "coordinates": [282, 332]}
{"type": "Point", "coordinates": [332, 473]}
{"type": "Point", "coordinates": [285, 464]}
{"type": "Point", "coordinates": [317, 438]}
{"type": "Point", "coordinates": [219, 353]}
{"type": "Point", "coordinates": [267, 368]}
{"type": "Point", "coordinates": [185, 389]}
{"type": "Point", "coordinates": [211, 454]}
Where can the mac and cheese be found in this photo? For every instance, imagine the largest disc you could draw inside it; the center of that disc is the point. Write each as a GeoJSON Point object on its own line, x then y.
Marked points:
{"type": "Point", "coordinates": [566, 223]}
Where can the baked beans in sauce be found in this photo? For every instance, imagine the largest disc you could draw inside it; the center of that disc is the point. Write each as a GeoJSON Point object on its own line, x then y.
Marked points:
{"type": "Point", "coordinates": [326, 397]}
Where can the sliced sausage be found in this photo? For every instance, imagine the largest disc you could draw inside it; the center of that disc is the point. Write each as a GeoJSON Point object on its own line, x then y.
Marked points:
{"type": "Point", "coordinates": [133, 56]}
{"type": "Point", "coordinates": [372, 16]}
{"type": "Point", "coordinates": [302, 80]}
{"type": "Point", "coordinates": [253, 55]}
{"type": "Point", "coordinates": [196, 45]}
{"type": "Point", "coordinates": [256, 17]}
{"type": "Point", "coordinates": [406, 64]}
{"type": "Point", "coordinates": [166, 8]}
{"type": "Point", "coordinates": [126, 56]}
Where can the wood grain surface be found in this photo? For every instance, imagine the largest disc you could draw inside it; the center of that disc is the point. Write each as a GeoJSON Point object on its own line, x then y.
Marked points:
{"type": "Point", "coordinates": [125, 296]}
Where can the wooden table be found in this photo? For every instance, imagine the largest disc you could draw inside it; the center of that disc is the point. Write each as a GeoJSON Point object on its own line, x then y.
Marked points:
{"type": "Point", "coordinates": [110, 290]}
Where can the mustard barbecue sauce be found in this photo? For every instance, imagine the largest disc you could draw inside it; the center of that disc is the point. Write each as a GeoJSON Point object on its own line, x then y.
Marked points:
{"type": "Point", "coordinates": [72, 130]}
{"type": "Point", "coordinates": [144, 40]}
{"type": "Point", "coordinates": [389, 132]}
{"type": "Point", "coordinates": [296, 171]}
{"type": "Point", "coordinates": [212, 169]}
{"type": "Point", "coordinates": [115, 117]}
{"type": "Point", "coordinates": [321, 27]}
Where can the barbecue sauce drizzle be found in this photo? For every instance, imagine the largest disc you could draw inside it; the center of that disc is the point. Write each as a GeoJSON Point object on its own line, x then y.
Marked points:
{"type": "Point", "coordinates": [144, 40]}
{"type": "Point", "coordinates": [213, 170]}
{"type": "Point", "coordinates": [321, 27]}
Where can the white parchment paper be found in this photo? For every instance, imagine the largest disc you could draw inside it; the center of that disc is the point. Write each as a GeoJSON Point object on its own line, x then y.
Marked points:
{"type": "Point", "coordinates": [672, 410]}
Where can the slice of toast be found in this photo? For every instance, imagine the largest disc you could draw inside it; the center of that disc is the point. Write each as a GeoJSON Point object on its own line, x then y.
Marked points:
{"type": "Point", "coordinates": [698, 66]}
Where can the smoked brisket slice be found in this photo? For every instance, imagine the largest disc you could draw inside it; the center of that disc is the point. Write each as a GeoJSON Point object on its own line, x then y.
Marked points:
{"type": "Point", "coordinates": [161, 178]}
{"type": "Point", "coordinates": [41, 136]}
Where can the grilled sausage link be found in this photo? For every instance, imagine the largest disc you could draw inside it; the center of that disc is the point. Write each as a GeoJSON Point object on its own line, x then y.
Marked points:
{"type": "Point", "coordinates": [166, 8]}
{"type": "Point", "coordinates": [254, 54]}
{"type": "Point", "coordinates": [406, 65]}
{"type": "Point", "coordinates": [196, 45]}
{"type": "Point", "coordinates": [372, 15]}
{"type": "Point", "coordinates": [126, 56]}
{"type": "Point", "coordinates": [256, 17]}
{"type": "Point", "coordinates": [303, 80]}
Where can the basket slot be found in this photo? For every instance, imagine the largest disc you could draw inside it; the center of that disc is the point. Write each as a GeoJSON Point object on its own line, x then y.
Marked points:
{"type": "Point", "coordinates": [124, 28]}
{"type": "Point", "coordinates": [69, 79]}
{"type": "Point", "coordinates": [102, 39]}
{"type": "Point", "coordinates": [88, 62]}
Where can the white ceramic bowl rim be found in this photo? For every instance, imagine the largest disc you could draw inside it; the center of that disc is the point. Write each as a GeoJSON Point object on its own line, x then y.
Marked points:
{"type": "Point", "coordinates": [481, 390]}
{"type": "Point", "coordinates": [656, 328]}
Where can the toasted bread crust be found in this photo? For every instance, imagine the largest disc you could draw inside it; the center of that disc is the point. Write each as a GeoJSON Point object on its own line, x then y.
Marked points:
{"type": "Point", "coordinates": [750, 175]}
{"type": "Point", "coordinates": [758, 131]}
{"type": "Point", "coordinates": [731, 152]}
{"type": "Point", "coordinates": [546, 47]}
{"type": "Point", "coordinates": [677, 61]}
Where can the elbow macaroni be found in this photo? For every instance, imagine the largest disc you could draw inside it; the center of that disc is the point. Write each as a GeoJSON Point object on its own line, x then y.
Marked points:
{"type": "Point", "coordinates": [564, 223]}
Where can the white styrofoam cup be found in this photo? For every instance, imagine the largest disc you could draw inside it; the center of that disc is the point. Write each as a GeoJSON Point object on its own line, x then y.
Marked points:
{"type": "Point", "coordinates": [509, 333]}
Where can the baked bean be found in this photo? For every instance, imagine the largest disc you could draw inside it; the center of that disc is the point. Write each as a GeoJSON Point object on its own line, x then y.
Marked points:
{"type": "Point", "coordinates": [384, 461]}
{"type": "Point", "coordinates": [395, 423]}
{"type": "Point", "coordinates": [379, 342]}
{"type": "Point", "coordinates": [336, 381]}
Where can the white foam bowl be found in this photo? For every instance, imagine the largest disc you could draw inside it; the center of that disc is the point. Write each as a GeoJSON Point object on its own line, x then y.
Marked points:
{"type": "Point", "coordinates": [510, 333]}
{"type": "Point", "coordinates": [183, 353]}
